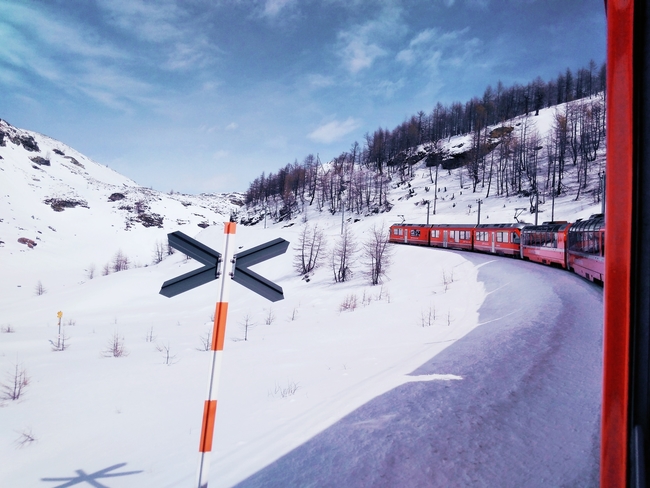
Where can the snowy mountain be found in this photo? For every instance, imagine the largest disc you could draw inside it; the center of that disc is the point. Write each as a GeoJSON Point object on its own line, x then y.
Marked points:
{"type": "Point", "coordinates": [60, 201]}
{"type": "Point", "coordinates": [307, 361]}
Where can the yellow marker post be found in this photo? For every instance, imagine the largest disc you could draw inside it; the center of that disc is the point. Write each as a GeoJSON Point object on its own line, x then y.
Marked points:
{"type": "Point", "coordinates": [59, 314]}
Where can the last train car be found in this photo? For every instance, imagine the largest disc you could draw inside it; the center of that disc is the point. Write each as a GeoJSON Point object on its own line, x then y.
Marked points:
{"type": "Point", "coordinates": [546, 243]}
{"type": "Point", "coordinates": [410, 234]}
{"type": "Point", "coordinates": [586, 248]}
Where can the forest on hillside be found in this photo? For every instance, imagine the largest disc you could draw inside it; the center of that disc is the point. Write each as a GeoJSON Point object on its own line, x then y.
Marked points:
{"type": "Point", "coordinates": [500, 159]}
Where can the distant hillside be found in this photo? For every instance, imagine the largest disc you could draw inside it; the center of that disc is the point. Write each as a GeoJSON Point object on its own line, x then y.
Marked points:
{"type": "Point", "coordinates": [54, 197]}
{"type": "Point", "coordinates": [560, 152]}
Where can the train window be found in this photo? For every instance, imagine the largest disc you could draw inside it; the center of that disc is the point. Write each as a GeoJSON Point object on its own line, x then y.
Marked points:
{"type": "Point", "coordinates": [415, 233]}
{"type": "Point", "coordinates": [452, 234]}
{"type": "Point", "coordinates": [515, 238]}
{"type": "Point", "coordinates": [435, 233]}
{"type": "Point", "coordinates": [397, 231]}
{"type": "Point", "coordinates": [502, 237]}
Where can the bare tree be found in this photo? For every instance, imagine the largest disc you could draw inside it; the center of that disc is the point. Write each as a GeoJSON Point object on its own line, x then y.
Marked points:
{"type": "Point", "coordinates": [206, 341]}
{"type": "Point", "coordinates": [120, 261]}
{"type": "Point", "coordinates": [343, 255]}
{"type": "Point", "coordinates": [310, 249]}
{"type": "Point", "coordinates": [17, 381]}
{"type": "Point", "coordinates": [247, 323]}
{"type": "Point", "coordinates": [165, 350]}
{"type": "Point", "coordinates": [270, 317]}
{"type": "Point", "coordinates": [377, 254]}
{"type": "Point", "coordinates": [150, 337]}
{"type": "Point", "coordinates": [115, 347]}
{"type": "Point", "coordinates": [25, 438]}
{"type": "Point", "coordinates": [106, 270]}
{"type": "Point", "coordinates": [39, 289]}
{"type": "Point", "coordinates": [158, 252]}
{"type": "Point", "coordinates": [90, 272]}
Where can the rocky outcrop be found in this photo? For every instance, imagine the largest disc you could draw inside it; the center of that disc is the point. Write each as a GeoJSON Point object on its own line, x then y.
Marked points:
{"type": "Point", "coordinates": [74, 161]}
{"type": "Point", "coordinates": [60, 204]}
{"type": "Point", "coordinates": [40, 161]}
{"type": "Point", "coordinates": [28, 242]}
{"type": "Point", "coordinates": [29, 143]}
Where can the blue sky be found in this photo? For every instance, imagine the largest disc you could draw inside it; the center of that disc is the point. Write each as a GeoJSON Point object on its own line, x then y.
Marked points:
{"type": "Point", "coordinates": [204, 95]}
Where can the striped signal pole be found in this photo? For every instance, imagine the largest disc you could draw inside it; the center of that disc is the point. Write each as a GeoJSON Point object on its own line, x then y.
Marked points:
{"type": "Point", "coordinates": [218, 335]}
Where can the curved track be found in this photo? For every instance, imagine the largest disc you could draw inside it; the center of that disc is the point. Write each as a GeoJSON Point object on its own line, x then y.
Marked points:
{"type": "Point", "coordinates": [526, 412]}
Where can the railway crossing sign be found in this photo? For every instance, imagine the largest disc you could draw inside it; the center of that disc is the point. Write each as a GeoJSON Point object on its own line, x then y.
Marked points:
{"type": "Point", "coordinates": [236, 266]}
{"type": "Point", "coordinates": [211, 268]}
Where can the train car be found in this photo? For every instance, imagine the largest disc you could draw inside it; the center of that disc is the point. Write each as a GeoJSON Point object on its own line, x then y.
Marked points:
{"type": "Point", "coordinates": [501, 239]}
{"type": "Point", "coordinates": [546, 243]}
{"type": "Point", "coordinates": [452, 236]}
{"type": "Point", "coordinates": [410, 234]}
{"type": "Point", "coordinates": [586, 248]}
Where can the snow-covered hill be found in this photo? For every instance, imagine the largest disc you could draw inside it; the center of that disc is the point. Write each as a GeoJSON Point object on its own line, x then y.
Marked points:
{"type": "Point", "coordinates": [308, 360]}
{"type": "Point", "coordinates": [56, 204]}
{"type": "Point", "coordinates": [457, 203]}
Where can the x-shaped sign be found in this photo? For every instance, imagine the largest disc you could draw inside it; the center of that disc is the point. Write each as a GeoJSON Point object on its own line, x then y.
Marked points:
{"type": "Point", "coordinates": [211, 261]}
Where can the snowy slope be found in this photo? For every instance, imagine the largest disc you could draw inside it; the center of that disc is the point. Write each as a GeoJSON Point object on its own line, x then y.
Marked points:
{"type": "Point", "coordinates": [70, 206]}
{"type": "Point", "coordinates": [306, 362]}
{"type": "Point", "coordinates": [457, 203]}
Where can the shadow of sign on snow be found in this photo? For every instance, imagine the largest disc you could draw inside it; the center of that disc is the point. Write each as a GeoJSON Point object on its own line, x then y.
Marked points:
{"type": "Point", "coordinates": [525, 413]}
{"type": "Point", "coordinates": [91, 478]}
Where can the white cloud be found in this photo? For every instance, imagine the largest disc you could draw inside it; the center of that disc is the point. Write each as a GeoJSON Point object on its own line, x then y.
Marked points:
{"type": "Point", "coordinates": [31, 41]}
{"type": "Point", "coordinates": [320, 81]}
{"type": "Point", "coordinates": [232, 126]}
{"type": "Point", "coordinates": [358, 54]}
{"type": "Point", "coordinates": [152, 21]}
{"type": "Point", "coordinates": [360, 45]}
{"type": "Point", "coordinates": [387, 88]}
{"type": "Point", "coordinates": [273, 7]}
{"type": "Point", "coordinates": [177, 32]}
{"type": "Point", "coordinates": [432, 47]}
{"type": "Point", "coordinates": [333, 131]}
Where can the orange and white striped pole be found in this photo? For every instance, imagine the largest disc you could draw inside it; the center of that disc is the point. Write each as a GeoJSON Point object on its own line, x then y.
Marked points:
{"type": "Point", "coordinates": [218, 335]}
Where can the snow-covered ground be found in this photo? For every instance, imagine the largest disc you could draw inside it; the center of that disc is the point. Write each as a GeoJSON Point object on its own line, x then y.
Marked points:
{"type": "Point", "coordinates": [305, 365]}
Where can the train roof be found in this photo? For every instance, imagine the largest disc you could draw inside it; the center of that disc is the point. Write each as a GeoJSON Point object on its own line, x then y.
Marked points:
{"type": "Point", "coordinates": [594, 223]}
{"type": "Point", "coordinates": [451, 226]}
{"type": "Point", "coordinates": [406, 224]}
{"type": "Point", "coordinates": [547, 227]}
{"type": "Point", "coordinates": [518, 225]}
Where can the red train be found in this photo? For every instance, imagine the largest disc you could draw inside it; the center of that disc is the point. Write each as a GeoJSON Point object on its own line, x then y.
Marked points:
{"type": "Point", "coordinates": [578, 247]}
